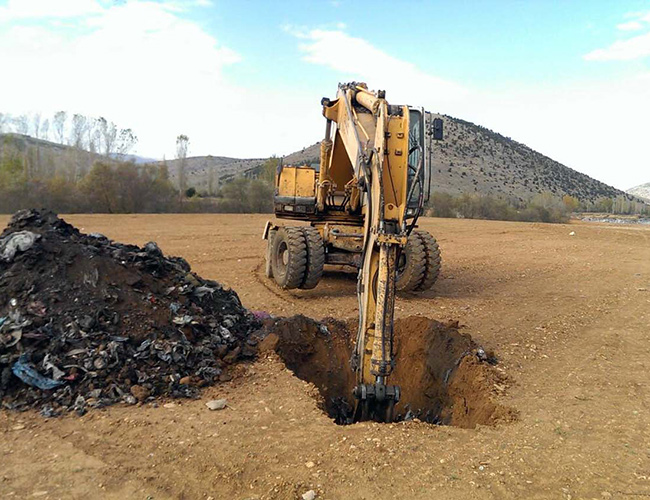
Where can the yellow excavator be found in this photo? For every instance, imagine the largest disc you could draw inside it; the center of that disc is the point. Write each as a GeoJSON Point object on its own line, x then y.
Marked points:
{"type": "Point", "coordinates": [362, 201]}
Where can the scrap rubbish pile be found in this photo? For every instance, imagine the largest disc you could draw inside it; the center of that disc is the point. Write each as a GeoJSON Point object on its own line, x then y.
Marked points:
{"type": "Point", "coordinates": [88, 322]}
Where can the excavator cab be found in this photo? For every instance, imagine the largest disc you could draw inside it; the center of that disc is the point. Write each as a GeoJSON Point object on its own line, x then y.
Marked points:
{"type": "Point", "coordinates": [423, 129]}
{"type": "Point", "coordinates": [418, 168]}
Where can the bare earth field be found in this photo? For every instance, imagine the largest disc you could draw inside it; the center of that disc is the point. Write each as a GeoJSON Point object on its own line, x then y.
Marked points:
{"type": "Point", "coordinates": [568, 317]}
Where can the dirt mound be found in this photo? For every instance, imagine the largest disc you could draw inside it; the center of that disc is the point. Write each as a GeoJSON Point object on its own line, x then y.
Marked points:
{"type": "Point", "coordinates": [445, 377]}
{"type": "Point", "coordinates": [85, 321]}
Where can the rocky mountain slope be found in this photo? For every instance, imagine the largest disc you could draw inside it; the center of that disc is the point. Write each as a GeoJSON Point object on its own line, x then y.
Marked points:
{"type": "Point", "coordinates": [642, 191]}
{"type": "Point", "coordinates": [475, 159]}
{"type": "Point", "coordinates": [471, 159]}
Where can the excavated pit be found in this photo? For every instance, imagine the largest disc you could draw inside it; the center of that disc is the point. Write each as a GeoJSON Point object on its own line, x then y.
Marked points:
{"type": "Point", "coordinates": [446, 378]}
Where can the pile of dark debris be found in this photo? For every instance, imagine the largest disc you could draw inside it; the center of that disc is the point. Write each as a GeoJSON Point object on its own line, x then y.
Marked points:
{"type": "Point", "coordinates": [88, 322]}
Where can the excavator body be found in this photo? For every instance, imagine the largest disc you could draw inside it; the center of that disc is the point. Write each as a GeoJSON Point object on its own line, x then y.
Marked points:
{"type": "Point", "coordinates": [362, 201]}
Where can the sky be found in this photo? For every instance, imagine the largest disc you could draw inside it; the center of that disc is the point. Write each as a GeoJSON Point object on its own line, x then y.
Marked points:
{"type": "Point", "coordinates": [570, 79]}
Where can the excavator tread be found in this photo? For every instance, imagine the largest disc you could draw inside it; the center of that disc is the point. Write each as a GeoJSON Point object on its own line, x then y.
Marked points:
{"type": "Point", "coordinates": [413, 274]}
{"type": "Point", "coordinates": [315, 258]}
{"type": "Point", "coordinates": [433, 260]}
{"type": "Point", "coordinates": [293, 274]}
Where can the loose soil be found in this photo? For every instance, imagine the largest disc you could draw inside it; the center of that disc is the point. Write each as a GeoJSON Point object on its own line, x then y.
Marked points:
{"type": "Point", "coordinates": [567, 316]}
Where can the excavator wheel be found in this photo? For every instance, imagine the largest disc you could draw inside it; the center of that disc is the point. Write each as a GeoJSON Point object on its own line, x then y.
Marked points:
{"type": "Point", "coordinates": [289, 257]}
{"type": "Point", "coordinates": [268, 269]}
{"type": "Point", "coordinates": [411, 265]}
{"type": "Point", "coordinates": [315, 257]}
{"type": "Point", "coordinates": [433, 260]}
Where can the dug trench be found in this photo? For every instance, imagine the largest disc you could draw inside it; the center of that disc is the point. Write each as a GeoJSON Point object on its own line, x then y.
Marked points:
{"type": "Point", "coordinates": [445, 377]}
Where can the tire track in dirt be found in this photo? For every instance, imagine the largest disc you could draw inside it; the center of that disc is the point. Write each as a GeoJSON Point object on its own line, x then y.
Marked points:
{"type": "Point", "coordinates": [260, 278]}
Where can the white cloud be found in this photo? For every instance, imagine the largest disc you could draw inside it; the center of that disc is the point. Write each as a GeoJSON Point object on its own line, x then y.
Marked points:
{"type": "Point", "coordinates": [357, 59]}
{"type": "Point", "coordinates": [639, 15]}
{"type": "Point", "coordinates": [26, 9]}
{"type": "Point", "coordinates": [630, 26]}
{"type": "Point", "coordinates": [636, 47]}
{"type": "Point", "coordinates": [597, 128]}
{"type": "Point", "coordinates": [144, 66]}
{"type": "Point", "coordinates": [623, 50]}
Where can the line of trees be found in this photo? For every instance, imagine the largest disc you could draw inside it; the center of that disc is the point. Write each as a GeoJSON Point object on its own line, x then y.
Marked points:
{"type": "Point", "coordinates": [544, 207]}
{"type": "Point", "coordinates": [623, 205]}
{"type": "Point", "coordinates": [95, 135]}
{"type": "Point", "coordinates": [106, 188]}
{"type": "Point", "coordinates": [90, 176]}
{"type": "Point", "coordinates": [74, 180]}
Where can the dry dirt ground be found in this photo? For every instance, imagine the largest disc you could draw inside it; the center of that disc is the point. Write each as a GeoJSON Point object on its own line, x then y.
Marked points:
{"type": "Point", "coordinates": [568, 316]}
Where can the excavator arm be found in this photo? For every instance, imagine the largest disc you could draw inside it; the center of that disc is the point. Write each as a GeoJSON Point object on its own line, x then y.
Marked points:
{"type": "Point", "coordinates": [376, 139]}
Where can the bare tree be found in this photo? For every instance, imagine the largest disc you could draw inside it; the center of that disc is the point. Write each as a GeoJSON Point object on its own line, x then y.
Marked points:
{"type": "Point", "coordinates": [212, 181]}
{"type": "Point", "coordinates": [4, 120]}
{"type": "Point", "coordinates": [108, 135]}
{"type": "Point", "coordinates": [22, 124]}
{"type": "Point", "coordinates": [45, 129]}
{"type": "Point", "coordinates": [115, 141]}
{"type": "Point", "coordinates": [126, 139]}
{"type": "Point", "coordinates": [59, 120]}
{"type": "Point", "coordinates": [93, 138]}
{"type": "Point", "coordinates": [78, 132]}
{"type": "Point", "coordinates": [36, 125]}
{"type": "Point", "coordinates": [182, 145]}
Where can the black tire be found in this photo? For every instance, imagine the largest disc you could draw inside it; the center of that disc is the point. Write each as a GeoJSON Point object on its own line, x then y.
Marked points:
{"type": "Point", "coordinates": [289, 257]}
{"type": "Point", "coordinates": [411, 265]}
{"type": "Point", "coordinates": [315, 257]}
{"type": "Point", "coordinates": [433, 260]}
{"type": "Point", "coordinates": [268, 268]}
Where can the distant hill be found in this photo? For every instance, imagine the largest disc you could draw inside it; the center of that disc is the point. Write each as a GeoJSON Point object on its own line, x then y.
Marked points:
{"type": "Point", "coordinates": [642, 191]}
{"type": "Point", "coordinates": [203, 171]}
{"type": "Point", "coordinates": [200, 169]}
{"type": "Point", "coordinates": [138, 160]}
{"type": "Point", "coordinates": [474, 159]}
{"type": "Point", "coordinates": [471, 159]}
